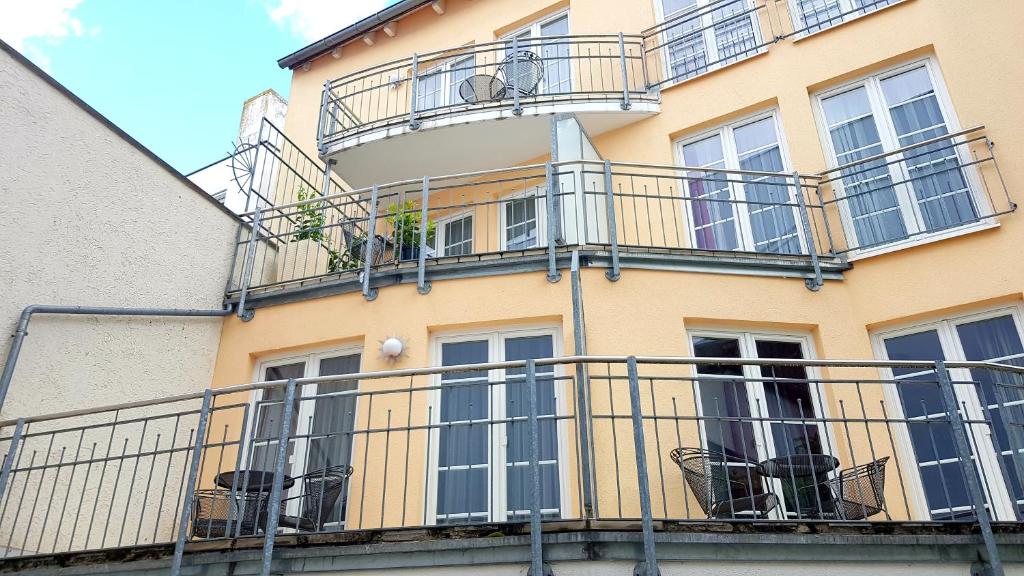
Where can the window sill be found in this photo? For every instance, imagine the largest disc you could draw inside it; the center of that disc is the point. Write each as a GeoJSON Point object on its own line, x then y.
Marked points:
{"type": "Point", "coordinates": [980, 226]}
{"type": "Point", "coordinates": [800, 37]}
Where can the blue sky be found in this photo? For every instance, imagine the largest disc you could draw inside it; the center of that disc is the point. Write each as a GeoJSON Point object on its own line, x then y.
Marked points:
{"type": "Point", "coordinates": [172, 73]}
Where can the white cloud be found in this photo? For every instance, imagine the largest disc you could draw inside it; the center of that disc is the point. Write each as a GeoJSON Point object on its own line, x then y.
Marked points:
{"type": "Point", "coordinates": [314, 19]}
{"type": "Point", "coordinates": [25, 22]}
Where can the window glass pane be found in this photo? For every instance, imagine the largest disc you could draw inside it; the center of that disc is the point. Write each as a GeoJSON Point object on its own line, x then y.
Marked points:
{"type": "Point", "coordinates": [521, 223]}
{"type": "Point", "coordinates": [464, 441]}
{"type": "Point", "coordinates": [330, 442]}
{"type": "Point", "coordinates": [458, 236]}
{"type": "Point", "coordinates": [819, 14]}
{"type": "Point", "coordinates": [786, 399]}
{"type": "Point", "coordinates": [871, 199]}
{"type": "Point", "coordinates": [269, 414]}
{"type": "Point", "coordinates": [459, 72]}
{"type": "Point", "coordinates": [430, 89]}
{"type": "Point", "coordinates": [723, 399]}
{"type": "Point", "coordinates": [714, 222]}
{"type": "Point", "coordinates": [934, 173]}
{"type": "Point", "coordinates": [734, 32]}
{"type": "Point", "coordinates": [773, 227]}
{"type": "Point", "coordinates": [555, 56]}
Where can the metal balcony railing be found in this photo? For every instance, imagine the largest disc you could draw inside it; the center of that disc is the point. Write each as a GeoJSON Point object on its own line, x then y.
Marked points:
{"type": "Point", "coordinates": [524, 441]}
{"type": "Point", "coordinates": [494, 76]}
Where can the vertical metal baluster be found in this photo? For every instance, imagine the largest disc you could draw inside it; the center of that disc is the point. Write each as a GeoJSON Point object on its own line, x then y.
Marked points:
{"type": "Point", "coordinates": [250, 256]}
{"type": "Point", "coordinates": [413, 89]}
{"type": "Point", "coordinates": [67, 493]}
{"type": "Point", "coordinates": [613, 238]}
{"type": "Point", "coordinates": [145, 497]}
{"type": "Point", "coordinates": [371, 241]}
{"type": "Point", "coordinates": [321, 128]}
{"type": "Point", "coordinates": [583, 420]}
{"type": "Point", "coordinates": [193, 472]}
{"type": "Point", "coordinates": [5, 471]}
{"type": "Point", "coordinates": [384, 481]}
{"type": "Point", "coordinates": [626, 105]}
{"type": "Point", "coordinates": [517, 109]}
{"type": "Point", "coordinates": [650, 567]}
{"type": "Point", "coordinates": [553, 274]}
{"type": "Point", "coordinates": [963, 449]}
{"type": "Point", "coordinates": [813, 284]}
{"type": "Point", "coordinates": [422, 286]}
{"type": "Point", "coordinates": [536, 546]}
{"type": "Point", "coordinates": [274, 505]}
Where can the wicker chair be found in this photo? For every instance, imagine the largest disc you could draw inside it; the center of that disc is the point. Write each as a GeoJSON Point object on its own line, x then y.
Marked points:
{"type": "Point", "coordinates": [321, 491]}
{"type": "Point", "coordinates": [524, 74]}
{"type": "Point", "coordinates": [719, 496]}
{"type": "Point", "coordinates": [211, 510]}
{"type": "Point", "coordinates": [856, 493]}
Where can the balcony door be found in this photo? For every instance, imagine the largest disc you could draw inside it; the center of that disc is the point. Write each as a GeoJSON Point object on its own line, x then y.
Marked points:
{"type": "Point", "coordinates": [480, 449]}
{"type": "Point", "coordinates": [740, 211]}
{"type": "Point", "coordinates": [555, 54]}
{"type": "Point", "coordinates": [813, 15]}
{"type": "Point", "coordinates": [708, 34]}
{"type": "Point", "coordinates": [745, 418]}
{"type": "Point", "coordinates": [998, 452]}
{"type": "Point", "coordinates": [890, 192]}
{"type": "Point", "coordinates": [323, 419]}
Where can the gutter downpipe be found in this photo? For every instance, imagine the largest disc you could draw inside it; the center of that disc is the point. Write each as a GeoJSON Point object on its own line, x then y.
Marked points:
{"type": "Point", "coordinates": [26, 317]}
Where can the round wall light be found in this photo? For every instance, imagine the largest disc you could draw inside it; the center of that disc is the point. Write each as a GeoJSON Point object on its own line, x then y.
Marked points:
{"type": "Point", "coordinates": [392, 348]}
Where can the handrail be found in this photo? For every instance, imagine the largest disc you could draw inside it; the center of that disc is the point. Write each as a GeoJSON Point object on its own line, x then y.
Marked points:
{"type": "Point", "coordinates": [900, 150]}
{"type": "Point", "coordinates": [552, 361]}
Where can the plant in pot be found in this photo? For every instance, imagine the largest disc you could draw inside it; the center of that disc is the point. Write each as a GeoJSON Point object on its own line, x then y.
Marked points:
{"type": "Point", "coordinates": [405, 224]}
{"type": "Point", "coordinates": [301, 255]}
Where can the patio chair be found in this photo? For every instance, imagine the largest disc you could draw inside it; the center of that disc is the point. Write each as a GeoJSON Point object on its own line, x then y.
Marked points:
{"type": "Point", "coordinates": [855, 493]}
{"type": "Point", "coordinates": [481, 88]}
{"type": "Point", "coordinates": [211, 510]}
{"type": "Point", "coordinates": [321, 491]}
{"type": "Point", "coordinates": [719, 496]}
{"type": "Point", "coordinates": [527, 72]}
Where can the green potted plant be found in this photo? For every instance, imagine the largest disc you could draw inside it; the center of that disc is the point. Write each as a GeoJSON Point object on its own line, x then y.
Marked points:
{"type": "Point", "coordinates": [307, 251]}
{"type": "Point", "coordinates": [405, 224]}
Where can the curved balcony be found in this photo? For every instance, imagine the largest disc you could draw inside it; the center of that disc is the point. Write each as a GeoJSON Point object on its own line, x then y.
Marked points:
{"type": "Point", "coordinates": [602, 79]}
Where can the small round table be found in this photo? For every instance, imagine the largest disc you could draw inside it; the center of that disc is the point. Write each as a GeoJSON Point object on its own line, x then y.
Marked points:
{"type": "Point", "coordinates": [251, 480]}
{"type": "Point", "coordinates": [798, 466]}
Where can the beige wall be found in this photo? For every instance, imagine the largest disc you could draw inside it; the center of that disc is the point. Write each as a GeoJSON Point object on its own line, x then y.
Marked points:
{"type": "Point", "coordinates": [89, 219]}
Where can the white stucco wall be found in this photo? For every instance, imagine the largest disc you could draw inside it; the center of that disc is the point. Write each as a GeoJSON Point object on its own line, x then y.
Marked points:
{"type": "Point", "coordinates": [88, 218]}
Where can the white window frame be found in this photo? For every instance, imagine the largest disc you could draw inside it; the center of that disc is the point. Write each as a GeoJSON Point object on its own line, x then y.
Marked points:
{"type": "Point", "coordinates": [539, 193]}
{"type": "Point", "coordinates": [445, 71]}
{"type": "Point", "coordinates": [952, 350]}
{"type": "Point", "coordinates": [765, 442]}
{"type": "Point", "coordinates": [844, 7]}
{"type": "Point", "coordinates": [533, 29]}
{"type": "Point", "coordinates": [741, 212]}
{"type": "Point", "coordinates": [440, 234]}
{"type": "Point", "coordinates": [496, 456]}
{"type": "Point", "coordinates": [295, 466]}
{"type": "Point", "coordinates": [709, 39]}
{"type": "Point", "coordinates": [889, 140]}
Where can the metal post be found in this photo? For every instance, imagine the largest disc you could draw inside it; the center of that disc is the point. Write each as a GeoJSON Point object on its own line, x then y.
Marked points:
{"type": "Point", "coordinates": [536, 548]}
{"type": "Point", "coordinates": [250, 263]}
{"type": "Point", "coordinates": [650, 564]}
{"type": "Point", "coordinates": [321, 129]}
{"type": "Point", "coordinates": [517, 109]}
{"type": "Point", "coordinates": [813, 284]}
{"type": "Point", "coordinates": [371, 241]}
{"type": "Point", "coordinates": [414, 84]}
{"type": "Point", "coordinates": [326, 189]}
{"type": "Point", "coordinates": [613, 235]}
{"type": "Point", "coordinates": [553, 274]}
{"type": "Point", "coordinates": [5, 471]}
{"type": "Point", "coordinates": [963, 448]}
{"type": "Point", "coordinates": [274, 510]}
{"type": "Point", "coordinates": [626, 105]}
{"type": "Point", "coordinates": [190, 486]}
{"type": "Point", "coordinates": [422, 286]}
{"type": "Point", "coordinates": [582, 412]}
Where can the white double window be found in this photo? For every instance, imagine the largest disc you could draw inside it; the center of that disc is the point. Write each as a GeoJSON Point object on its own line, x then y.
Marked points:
{"type": "Point", "coordinates": [480, 444]}
{"type": "Point", "coordinates": [997, 450]}
{"type": "Point", "coordinates": [810, 16]}
{"type": "Point", "coordinates": [888, 188]}
{"type": "Point", "coordinates": [322, 423]}
{"type": "Point", "coordinates": [454, 235]}
{"type": "Point", "coordinates": [522, 219]}
{"type": "Point", "coordinates": [555, 54]}
{"type": "Point", "coordinates": [439, 85]}
{"type": "Point", "coordinates": [730, 211]}
{"type": "Point", "coordinates": [707, 34]}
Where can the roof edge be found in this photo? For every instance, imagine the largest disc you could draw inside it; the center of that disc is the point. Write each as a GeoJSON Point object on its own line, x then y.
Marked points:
{"type": "Point", "coordinates": [21, 59]}
{"type": "Point", "coordinates": [315, 49]}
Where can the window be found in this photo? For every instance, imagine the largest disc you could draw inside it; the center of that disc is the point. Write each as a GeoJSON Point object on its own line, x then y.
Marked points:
{"type": "Point", "coordinates": [554, 54]}
{"type": "Point", "coordinates": [921, 190]}
{"type": "Point", "coordinates": [708, 34]}
{"type": "Point", "coordinates": [454, 236]}
{"type": "Point", "coordinates": [439, 86]}
{"type": "Point", "coordinates": [482, 467]}
{"type": "Point", "coordinates": [729, 393]}
{"type": "Point", "coordinates": [522, 219]}
{"type": "Point", "coordinates": [989, 337]}
{"type": "Point", "coordinates": [814, 15]}
{"type": "Point", "coordinates": [322, 423]}
{"type": "Point", "coordinates": [731, 212]}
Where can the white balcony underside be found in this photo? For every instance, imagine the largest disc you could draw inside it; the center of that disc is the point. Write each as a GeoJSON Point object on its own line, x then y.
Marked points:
{"type": "Point", "coordinates": [469, 142]}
